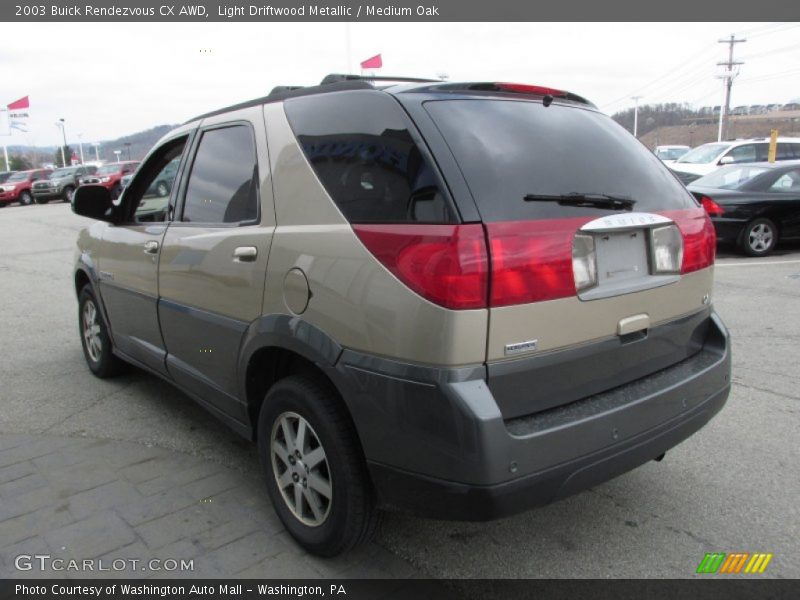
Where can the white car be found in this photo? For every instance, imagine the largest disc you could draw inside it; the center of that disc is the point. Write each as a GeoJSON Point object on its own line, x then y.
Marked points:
{"type": "Point", "coordinates": [706, 158]}
{"type": "Point", "coordinates": [669, 154]}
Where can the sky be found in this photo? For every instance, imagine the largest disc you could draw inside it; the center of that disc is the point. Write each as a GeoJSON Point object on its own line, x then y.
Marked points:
{"type": "Point", "coordinates": [107, 80]}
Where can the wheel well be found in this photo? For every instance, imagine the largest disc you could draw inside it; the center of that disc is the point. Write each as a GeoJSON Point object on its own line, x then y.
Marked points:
{"type": "Point", "coordinates": [81, 279]}
{"type": "Point", "coordinates": [775, 216]}
{"type": "Point", "coordinates": [268, 366]}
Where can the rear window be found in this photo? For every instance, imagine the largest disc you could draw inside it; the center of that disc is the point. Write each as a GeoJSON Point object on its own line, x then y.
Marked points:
{"type": "Point", "coordinates": [509, 149]}
{"type": "Point", "coordinates": [362, 147]}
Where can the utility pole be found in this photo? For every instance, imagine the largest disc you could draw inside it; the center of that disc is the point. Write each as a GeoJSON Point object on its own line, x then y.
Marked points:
{"type": "Point", "coordinates": [728, 77]}
{"type": "Point", "coordinates": [636, 114]}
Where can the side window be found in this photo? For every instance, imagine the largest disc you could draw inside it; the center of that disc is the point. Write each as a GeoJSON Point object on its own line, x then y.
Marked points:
{"type": "Point", "coordinates": [784, 152]}
{"type": "Point", "coordinates": [223, 184]}
{"type": "Point", "coordinates": [794, 150]}
{"type": "Point", "coordinates": [146, 195]}
{"type": "Point", "coordinates": [361, 148]}
{"type": "Point", "coordinates": [788, 182]}
{"type": "Point", "coordinates": [745, 153]}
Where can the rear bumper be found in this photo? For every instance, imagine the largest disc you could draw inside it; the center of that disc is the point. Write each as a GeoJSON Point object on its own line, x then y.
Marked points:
{"type": "Point", "coordinates": [441, 448]}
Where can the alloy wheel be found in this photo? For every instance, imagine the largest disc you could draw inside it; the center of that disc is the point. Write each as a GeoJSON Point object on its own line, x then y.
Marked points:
{"type": "Point", "coordinates": [300, 467]}
{"type": "Point", "coordinates": [760, 238]}
{"type": "Point", "coordinates": [91, 331]}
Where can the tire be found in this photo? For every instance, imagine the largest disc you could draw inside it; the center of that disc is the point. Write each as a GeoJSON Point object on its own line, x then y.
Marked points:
{"type": "Point", "coordinates": [347, 516]}
{"type": "Point", "coordinates": [759, 237]}
{"type": "Point", "coordinates": [97, 345]}
{"type": "Point", "coordinates": [25, 198]}
{"type": "Point", "coordinates": [162, 189]}
{"type": "Point", "coordinates": [69, 192]}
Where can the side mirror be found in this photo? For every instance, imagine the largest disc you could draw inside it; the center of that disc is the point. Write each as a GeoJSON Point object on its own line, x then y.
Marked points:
{"type": "Point", "coordinates": [94, 201]}
{"type": "Point", "coordinates": [726, 160]}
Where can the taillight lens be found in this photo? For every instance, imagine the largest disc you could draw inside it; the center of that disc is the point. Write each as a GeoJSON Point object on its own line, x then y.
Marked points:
{"type": "Point", "coordinates": [712, 208]}
{"type": "Point", "coordinates": [667, 247]}
{"type": "Point", "coordinates": [699, 238]}
{"type": "Point", "coordinates": [584, 262]}
{"type": "Point", "coordinates": [532, 260]}
{"type": "Point", "coordinates": [447, 264]}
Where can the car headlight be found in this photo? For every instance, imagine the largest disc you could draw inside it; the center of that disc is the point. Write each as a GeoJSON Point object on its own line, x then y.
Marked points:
{"type": "Point", "coordinates": [105, 179]}
{"type": "Point", "coordinates": [667, 249]}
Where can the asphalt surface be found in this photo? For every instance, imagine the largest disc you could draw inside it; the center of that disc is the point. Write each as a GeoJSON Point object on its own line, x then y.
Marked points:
{"type": "Point", "coordinates": [732, 487]}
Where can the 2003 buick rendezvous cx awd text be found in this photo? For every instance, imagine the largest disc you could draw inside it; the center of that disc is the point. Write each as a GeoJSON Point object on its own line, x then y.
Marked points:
{"type": "Point", "coordinates": [458, 300]}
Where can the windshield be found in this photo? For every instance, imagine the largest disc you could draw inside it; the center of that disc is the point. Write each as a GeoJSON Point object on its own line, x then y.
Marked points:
{"type": "Point", "coordinates": [671, 153]}
{"type": "Point", "coordinates": [703, 154]}
{"type": "Point", "coordinates": [729, 178]}
{"type": "Point", "coordinates": [62, 173]}
{"type": "Point", "coordinates": [109, 169]}
{"type": "Point", "coordinates": [512, 150]}
{"type": "Point", "coordinates": [21, 176]}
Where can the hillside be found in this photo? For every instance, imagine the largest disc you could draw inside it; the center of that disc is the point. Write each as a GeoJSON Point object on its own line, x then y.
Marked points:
{"type": "Point", "coordinates": [140, 144]}
{"type": "Point", "coordinates": [700, 131]}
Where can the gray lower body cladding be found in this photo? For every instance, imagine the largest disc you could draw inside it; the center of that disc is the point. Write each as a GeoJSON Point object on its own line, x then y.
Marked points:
{"type": "Point", "coordinates": [438, 445]}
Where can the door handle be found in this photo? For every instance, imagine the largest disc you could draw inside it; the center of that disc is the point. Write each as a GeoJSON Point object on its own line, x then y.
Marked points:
{"type": "Point", "coordinates": [245, 254]}
{"type": "Point", "coordinates": [151, 247]}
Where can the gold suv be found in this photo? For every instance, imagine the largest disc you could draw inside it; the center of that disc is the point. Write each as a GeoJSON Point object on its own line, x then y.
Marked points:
{"type": "Point", "coordinates": [460, 300]}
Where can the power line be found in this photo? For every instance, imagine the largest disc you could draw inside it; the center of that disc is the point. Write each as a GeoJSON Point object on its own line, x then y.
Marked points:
{"type": "Point", "coordinates": [773, 51]}
{"type": "Point", "coordinates": [698, 55]}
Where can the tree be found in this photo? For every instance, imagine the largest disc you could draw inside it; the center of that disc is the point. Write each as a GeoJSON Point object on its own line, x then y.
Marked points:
{"type": "Point", "coordinates": [18, 162]}
{"type": "Point", "coordinates": [67, 155]}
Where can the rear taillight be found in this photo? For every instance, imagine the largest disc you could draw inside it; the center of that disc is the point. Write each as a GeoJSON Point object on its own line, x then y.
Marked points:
{"type": "Point", "coordinates": [447, 264]}
{"type": "Point", "coordinates": [666, 248]}
{"type": "Point", "coordinates": [712, 208]}
{"type": "Point", "coordinates": [532, 261]}
{"type": "Point", "coordinates": [699, 238]}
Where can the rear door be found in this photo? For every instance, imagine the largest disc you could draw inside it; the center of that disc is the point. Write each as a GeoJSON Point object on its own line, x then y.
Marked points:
{"type": "Point", "coordinates": [214, 257]}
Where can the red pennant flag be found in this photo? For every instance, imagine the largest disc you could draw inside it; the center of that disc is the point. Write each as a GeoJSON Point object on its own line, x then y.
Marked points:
{"type": "Point", "coordinates": [21, 103]}
{"type": "Point", "coordinates": [372, 63]}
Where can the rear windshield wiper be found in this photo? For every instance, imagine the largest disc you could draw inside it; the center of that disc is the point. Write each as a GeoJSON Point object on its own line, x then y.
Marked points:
{"type": "Point", "coordinates": [589, 200]}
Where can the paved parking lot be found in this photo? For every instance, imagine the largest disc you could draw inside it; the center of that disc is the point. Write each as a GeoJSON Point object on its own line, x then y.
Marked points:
{"type": "Point", "coordinates": [134, 463]}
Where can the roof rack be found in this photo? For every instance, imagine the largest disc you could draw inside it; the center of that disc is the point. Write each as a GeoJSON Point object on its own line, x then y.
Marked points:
{"type": "Point", "coordinates": [337, 77]}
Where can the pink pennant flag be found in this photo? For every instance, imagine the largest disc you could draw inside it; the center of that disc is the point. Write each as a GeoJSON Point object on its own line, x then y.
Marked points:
{"type": "Point", "coordinates": [372, 63]}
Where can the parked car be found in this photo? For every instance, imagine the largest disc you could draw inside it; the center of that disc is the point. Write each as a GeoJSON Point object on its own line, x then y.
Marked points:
{"type": "Point", "coordinates": [708, 157]}
{"type": "Point", "coordinates": [5, 175]}
{"type": "Point", "coordinates": [17, 188]}
{"type": "Point", "coordinates": [459, 300]}
{"type": "Point", "coordinates": [753, 205]}
{"type": "Point", "coordinates": [109, 176]}
{"type": "Point", "coordinates": [61, 184]}
{"type": "Point", "coordinates": [669, 154]}
{"type": "Point", "coordinates": [162, 186]}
